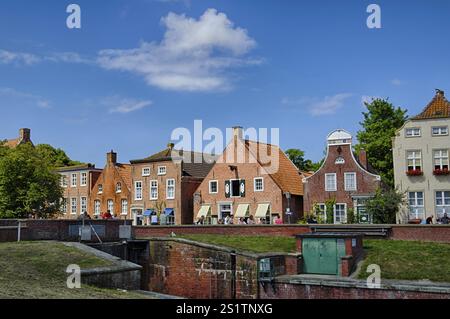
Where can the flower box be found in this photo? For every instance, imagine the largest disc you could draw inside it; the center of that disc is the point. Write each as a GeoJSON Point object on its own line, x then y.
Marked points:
{"type": "Point", "coordinates": [439, 171]}
{"type": "Point", "coordinates": [414, 172]}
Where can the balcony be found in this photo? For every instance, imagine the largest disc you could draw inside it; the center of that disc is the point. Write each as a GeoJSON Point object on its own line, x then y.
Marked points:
{"type": "Point", "coordinates": [441, 171]}
{"type": "Point", "coordinates": [414, 172]}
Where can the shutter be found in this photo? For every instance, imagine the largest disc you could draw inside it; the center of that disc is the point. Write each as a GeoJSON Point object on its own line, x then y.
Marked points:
{"type": "Point", "coordinates": [227, 189]}
{"type": "Point", "coordinates": [242, 187]}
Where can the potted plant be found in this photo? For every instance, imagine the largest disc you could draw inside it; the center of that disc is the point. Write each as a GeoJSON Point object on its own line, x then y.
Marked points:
{"type": "Point", "coordinates": [414, 172]}
{"type": "Point", "coordinates": [441, 171]}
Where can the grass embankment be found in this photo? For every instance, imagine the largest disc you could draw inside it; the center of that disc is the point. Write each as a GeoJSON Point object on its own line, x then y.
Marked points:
{"type": "Point", "coordinates": [38, 270]}
{"type": "Point", "coordinates": [398, 259]}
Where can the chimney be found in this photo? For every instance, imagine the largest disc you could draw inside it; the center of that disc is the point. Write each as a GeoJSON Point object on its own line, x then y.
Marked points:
{"type": "Point", "coordinates": [237, 132]}
{"type": "Point", "coordinates": [25, 135]}
{"type": "Point", "coordinates": [111, 158]}
{"type": "Point", "coordinates": [363, 158]}
{"type": "Point", "coordinates": [439, 93]}
{"type": "Point", "coordinates": [170, 146]}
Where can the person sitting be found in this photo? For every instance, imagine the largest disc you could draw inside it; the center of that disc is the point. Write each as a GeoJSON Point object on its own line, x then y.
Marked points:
{"type": "Point", "coordinates": [278, 220]}
{"type": "Point", "coordinates": [107, 215]}
{"type": "Point", "coordinates": [251, 220]}
{"type": "Point", "coordinates": [429, 220]}
{"type": "Point", "coordinates": [201, 220]}
{"type": "Point", "coordinates": [241, 221]}
{"type": "Point", "coordinates": [445, 219]}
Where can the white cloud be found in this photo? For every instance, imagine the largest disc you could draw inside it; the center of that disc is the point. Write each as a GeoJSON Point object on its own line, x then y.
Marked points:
{"type": "Point", "coordinates": [117, 104]}
{"type": "Point", "coordinates": [320, 106]}
{"type": "Point", "coordinates": [34, 99]}
{"type": "Point", "coordinates": [193, 55]}
{"type": "Point", "coordinates": [67, 57]}
{"type": "Point", "coordinates": [19, 58]}
{"type": "Point", "coordinates": [396, 82]}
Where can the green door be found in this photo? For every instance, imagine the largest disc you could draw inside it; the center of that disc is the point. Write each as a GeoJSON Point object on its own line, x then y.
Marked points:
{"type": "Point", "coordinates": [320, 256]}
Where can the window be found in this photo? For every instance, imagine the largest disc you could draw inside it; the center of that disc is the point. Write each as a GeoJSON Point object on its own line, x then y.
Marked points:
{"type": "Point", "coordinates": [153, 190]}
{"type": "Point", "coordinates": [162, 170]}
{"type": "Point", "coordinates": [258, 184]}
{"type": "Point", "coordinates": [73, 205]}
{"type": "Point", "coordinates": [414, 160]}
{"type": "Point", "coordinates": [340, 213]}
{"type": "Point", "coordinates": [339, 160]}
{"type": "Point", "coordinates": [138, 190]}
{"type": "Point", "coordinates": [73, 180]}
{"type": "Point", "coordinates": [170, 188]}
{"type": "Point", "coordinates": [412, 132]}
{"type": "Point", "coordinates": [213, 187]}
{"type": "Point", "coordinates": [440, 158]}
{"type": "Point", "coordinates": [224, 211]}
{"type": "Point", "coordinates": [442, 203]}
{"type": "Point", "coordinates": [330, 182]}
{"type": "Point", "coordinates": [97, 207]}
{"type": "Point", "coordinates": [124, 207]}
{"type": "Point", "coordinates": [100, 188]}
{"type": "Point", "coordinates": [119, 187]}
{"type": "Point", "coordinates": [350, 181]}
{"type": "Point", "coordinates": [416, 206]}
{"type": "Point", "coordinates": [439, 130]}
{"type": "Point", "coordinates": [110, 204]}
{"type": "Point", "coordinates": [63, 181]}
{"type": "Point", "coordinates": [83, 204]}
{"type": "Point", "coordinates": [146, 171]}
{"type": "Point", "coordinates": [83, 179]}
{"type": "Point", "coordinates": [322, 211]}
{"type": "Point", "coordinates": [64, 205]}
{"type": "Point", "coordinates": [235, 189]}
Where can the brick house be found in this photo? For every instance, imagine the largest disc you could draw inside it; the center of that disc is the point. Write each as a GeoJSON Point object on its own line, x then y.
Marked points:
{"type": "Point", "coordinates": [77, 183]}
{"type": "Point", "coordinates": [165, 182]}
{"type": "Point", "coordinates": [342, 177]}
{"type": "Point", "coordinates": [112, 190]}
{"type": "Point", "coordinates": [242, 188]}
{"type": "Point", "coordinates": [24, 137]}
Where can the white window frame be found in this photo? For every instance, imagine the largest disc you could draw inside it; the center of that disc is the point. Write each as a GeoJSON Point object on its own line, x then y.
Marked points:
{"type": "Point", "coordinates": [346, 185]}
{"type": "Point", "coordinates": [118, 187]}
{"type": "Point", "coordinates": [440, 130]}
{"type": "Point", "coordinates": [442, 158]}
{"type": "Point", "coordinates": [323, 208]}
{"type": "Point", "coordinates": [345, 213]}
{"type": "Point", "coordinates": [64, 203]}
{"type": "Point", "coordinates": [72, 206]}
{"type": "Point", "coordinates": [83, 199]}
{"type": "Point", "coordinates": [83, 179]}
{"type": "Point", "coordinates": [136, 188]}
{"type": "Point", "coordinates": [255, 189]}
{"type": "Point", "coordinates": [144, 173]}
{"type": "Point", "coordinates": [100, 188]}
{"type": "Point", "coordinates": [445, 207]}
{"type": "Point", "coordinates": [152, 187]}
{"type": "Point", "coordinates": [416, 157]}
{"type": "Point", "coordinates": [210, 188]}
{"type": "Point", "coordinates": [413, 210]}
{"type": "Point", "coordinates": [334, 189]}
{"type": "Point", "coordinates": [219, 210]}
{"type": "Point", "coordinates": [414, 131]}
{"type": "Point", "coordinates": [97, 207]}
{"type": "Point", "coordinates": [64, 181]}
{"type": "Point", "coordinates": [110, 207]}
{"type": "Point", "coordinates": [124, 205]}
{"type": "Point", "coordinates": [162, 170]}
{"type": "Point", "coordinates": [73, 180]}
{"type": "Point", "coordinates": [167, 188]}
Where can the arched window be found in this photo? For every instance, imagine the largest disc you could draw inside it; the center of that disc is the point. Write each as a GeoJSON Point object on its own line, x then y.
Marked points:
{"type": "Point", "coordinates": [339, 160]}
{"type": "Point", "coordinates": [118, 187]}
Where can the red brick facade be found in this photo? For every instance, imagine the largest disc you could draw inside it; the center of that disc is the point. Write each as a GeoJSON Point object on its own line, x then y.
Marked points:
{"type": "Point", "coordinates": [112, 190]}
{"type": "Point", "coordinates": [340, 162]}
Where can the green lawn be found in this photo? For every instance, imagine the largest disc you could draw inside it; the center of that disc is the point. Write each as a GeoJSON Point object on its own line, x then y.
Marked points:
{"type": "Point", "coordinates": [37, 270]}
{"type": "Point", "coordinates": [406, 260]}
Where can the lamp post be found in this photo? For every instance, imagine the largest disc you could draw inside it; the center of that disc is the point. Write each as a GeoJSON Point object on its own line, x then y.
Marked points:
{"type": "Point", "coordinates": [288, 209]}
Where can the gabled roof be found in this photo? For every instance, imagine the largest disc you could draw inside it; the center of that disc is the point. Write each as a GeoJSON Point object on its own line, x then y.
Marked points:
{"type": "Point", "coordinates": [439, 107]}
{"type": "Point", "coordinates": [124, 171]}
{"type": "Point", "coordinates": [287, 177]}
{"type": "Point", "coordinates": [77, 168]}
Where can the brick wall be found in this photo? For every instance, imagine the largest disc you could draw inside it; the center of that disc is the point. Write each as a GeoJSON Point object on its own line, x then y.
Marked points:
{"type": "Point", "coordinates": [438, 233]}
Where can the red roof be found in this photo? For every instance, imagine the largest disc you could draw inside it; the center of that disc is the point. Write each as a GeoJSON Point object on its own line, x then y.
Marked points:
{"type": "Point", "coordinates": [439, 107]}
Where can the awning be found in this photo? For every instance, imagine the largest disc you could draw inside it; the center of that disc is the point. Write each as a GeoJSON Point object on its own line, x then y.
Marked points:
{"type": "Point", "coordinates": [204, 211]}
{"type": "Point", "coordinates": [148, 212]}
{"type": "Point", "coordinates": [168, 211]}
{"type": "Point", "coordinates": [242, 210]}
{"type": "Point", "coordinates": [262, 210]}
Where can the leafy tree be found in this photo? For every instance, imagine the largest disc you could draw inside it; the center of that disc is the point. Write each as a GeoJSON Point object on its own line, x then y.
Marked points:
{"type": "Point", "coordinates": [28, 184]}
{"type": "Point", "coordinates": [378, 128]}
{"type": "Point", "coordinates": [55, 156]}
{"type": "Point", "coordinates": [297, 157]}
{"type": "Point", "coordinates": [329, 204]}
{"type": "Point", "coordinates": [385, 205]}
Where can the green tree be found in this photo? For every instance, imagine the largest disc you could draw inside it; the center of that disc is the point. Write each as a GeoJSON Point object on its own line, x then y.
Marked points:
{"type": "Point", "coordinates": [28, 184]}
{"type": "Point", "coordinates": [385, 205]}
{"type": "Point", "coordinates": [297, 157]}
{"type": "Point", "coordinates": [55, 156]}
{"type": "Point", "coordinates": [378, 128]}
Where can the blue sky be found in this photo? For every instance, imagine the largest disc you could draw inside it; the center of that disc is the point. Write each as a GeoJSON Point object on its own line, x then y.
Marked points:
{"type": "Point", "coordinates": [138, 69]}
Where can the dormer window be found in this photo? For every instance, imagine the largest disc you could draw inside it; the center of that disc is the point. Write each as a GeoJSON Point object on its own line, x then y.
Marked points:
{"type": "Point", "coordinates": [339, 160]}
{"type": "Point", "coordinates": [412, 132]}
